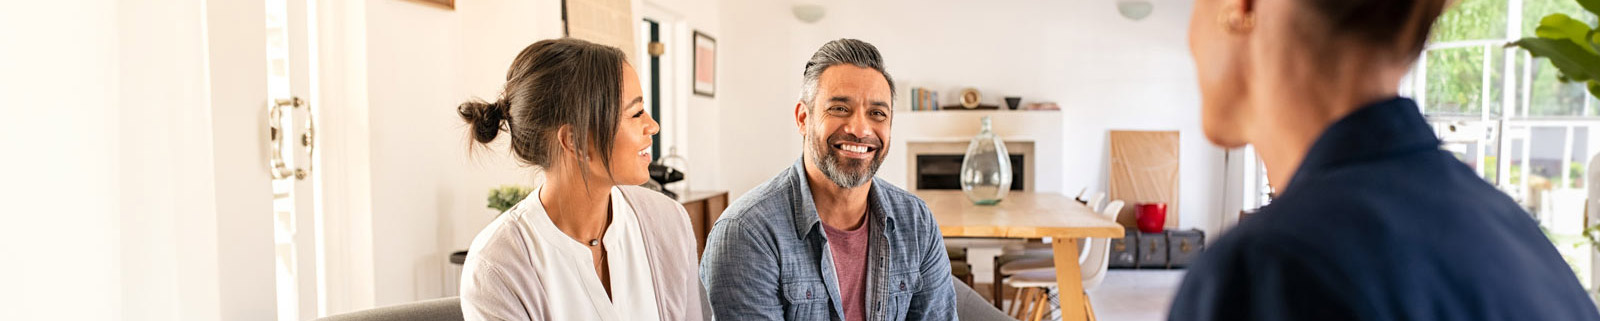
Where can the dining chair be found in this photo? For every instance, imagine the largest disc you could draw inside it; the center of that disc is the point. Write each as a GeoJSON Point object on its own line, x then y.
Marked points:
{"type": "Point", "coordinates": [1034, 277]}
{"type": "Point", "coordinates": [1030, 254]}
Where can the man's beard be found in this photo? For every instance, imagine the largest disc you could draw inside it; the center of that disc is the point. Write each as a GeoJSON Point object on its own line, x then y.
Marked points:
{"type": "Point", "coordinates": [846, 172]}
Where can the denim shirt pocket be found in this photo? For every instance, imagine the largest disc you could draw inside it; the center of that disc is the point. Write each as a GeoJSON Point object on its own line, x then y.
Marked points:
{"type": "Point", "coordinates": [808, 300]}
{"type": "Point", "coordinates": [902, 286]}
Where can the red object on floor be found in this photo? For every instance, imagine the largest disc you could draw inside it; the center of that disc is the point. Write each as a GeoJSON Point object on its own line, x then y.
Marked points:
{"type": "Point", "coordinates": [1152, 217]}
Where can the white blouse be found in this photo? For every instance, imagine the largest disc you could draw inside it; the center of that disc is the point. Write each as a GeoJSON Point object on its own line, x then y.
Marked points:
{"type": "Point", "coordinates": [524, 238]}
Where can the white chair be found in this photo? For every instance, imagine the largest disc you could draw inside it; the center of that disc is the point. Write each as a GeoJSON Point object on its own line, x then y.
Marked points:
{"type": "Point", "coordinates": [1034, 277]}
{"type": "Point", "coordinates": [1094, 201]}
{"type": "Point", "coordinates": [1094, 204]}
{"type": "Point", "coordinates": [1098, 257]}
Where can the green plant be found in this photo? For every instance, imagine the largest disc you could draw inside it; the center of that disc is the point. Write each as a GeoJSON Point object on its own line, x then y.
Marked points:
{"type": "Point", "coordinates": [506, 196]}
{"type": "Point", "coordinates": [1570, 44]}
{"type": "Point", "coordinates": [1575, 242]}
{"type": "Point", "coordinates": [1577, 174]}
{"type": "Point", "coordinates": [1491, 167]}
{"type": "Point", "coordinates": [1592, 234]}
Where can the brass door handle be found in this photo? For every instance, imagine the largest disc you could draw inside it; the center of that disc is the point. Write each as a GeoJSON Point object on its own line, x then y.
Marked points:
{"type": "Point", "coordinates": [278, 167]}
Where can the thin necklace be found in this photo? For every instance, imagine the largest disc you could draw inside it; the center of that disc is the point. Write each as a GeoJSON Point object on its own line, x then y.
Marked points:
{"type": "Point", "coordinates": [594, 241]}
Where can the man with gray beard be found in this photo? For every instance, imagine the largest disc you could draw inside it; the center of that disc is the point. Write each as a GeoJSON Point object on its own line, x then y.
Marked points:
{"type": "Point", "coordinates": [825, 239]}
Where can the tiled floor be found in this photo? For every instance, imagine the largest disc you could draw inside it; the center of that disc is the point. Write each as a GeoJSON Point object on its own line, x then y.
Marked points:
{"type": "Point", "coordinates": [1135, 295]}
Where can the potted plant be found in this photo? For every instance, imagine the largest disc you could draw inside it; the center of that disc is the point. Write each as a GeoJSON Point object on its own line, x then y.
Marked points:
{"type": "Point", "coordinates": [1570, 44]}
{"type": "Point", "coordinates": [500, 199]}
{"type": "Point", "coordinates": [507, 196]}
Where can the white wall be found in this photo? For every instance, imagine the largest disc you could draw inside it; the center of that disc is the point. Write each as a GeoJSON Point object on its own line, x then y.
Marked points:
{"type": "Point", "coordinates": [427, 189]}
{"type": "Point", "coordinates": [762, 50]}
{"type": "Point", "coordinates": [345, 149]}
{"type": "Point", "coordinates": [170, 246]}
{"type": "Point", "coordinates": [61, 112]}
{"type": "Point", "coordinates": [1105, 71]}
{"type": "Point", "coordinates": [114, 214]}
{"type": "Point", "coordinates": [237, 78]}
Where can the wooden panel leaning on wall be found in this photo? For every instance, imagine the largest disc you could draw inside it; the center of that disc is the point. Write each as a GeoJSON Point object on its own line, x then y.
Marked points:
{"type": "Point", "coordinates": [1144, 169]}
{"type": "Point", "coordinates": [606, 22]}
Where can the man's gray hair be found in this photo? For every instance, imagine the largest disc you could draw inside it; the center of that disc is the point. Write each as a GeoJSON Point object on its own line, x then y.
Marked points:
{"type": "Point", "coordinates": [839, 52]}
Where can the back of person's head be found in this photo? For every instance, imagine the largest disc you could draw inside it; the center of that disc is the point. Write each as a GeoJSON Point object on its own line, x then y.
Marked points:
{"type": "Point", "coordinates": [1398, 29]}
{"type": "Point", "coordinates": [554, 83]}
{"type": "Point", "coordinates": [1260, 61]}
{"type": "Point", "coordinates": [840, 52]}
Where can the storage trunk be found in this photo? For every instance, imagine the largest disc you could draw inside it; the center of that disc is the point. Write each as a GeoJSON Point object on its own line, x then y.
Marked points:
{"type": "Point", "coordinates": [1125, 251]}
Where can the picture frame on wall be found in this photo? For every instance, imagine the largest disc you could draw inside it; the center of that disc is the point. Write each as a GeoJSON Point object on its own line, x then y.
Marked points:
{"type": "Point", "coordinates": [705, 65]}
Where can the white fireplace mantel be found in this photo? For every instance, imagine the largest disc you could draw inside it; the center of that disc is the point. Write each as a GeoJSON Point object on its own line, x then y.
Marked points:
{"type": "Point", "coordinates": [1040, 130]}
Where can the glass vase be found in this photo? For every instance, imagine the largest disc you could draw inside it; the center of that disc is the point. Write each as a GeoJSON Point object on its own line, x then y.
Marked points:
{"type": "Point", "coordinates": [986, 169]}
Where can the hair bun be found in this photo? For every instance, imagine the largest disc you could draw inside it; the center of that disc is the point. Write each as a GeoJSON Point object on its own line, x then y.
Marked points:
{"type": "Point", "coordinates": [484, 118]}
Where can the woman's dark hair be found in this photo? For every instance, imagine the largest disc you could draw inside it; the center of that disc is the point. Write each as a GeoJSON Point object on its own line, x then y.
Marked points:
{"type": "Point", "coordinates": [554, 83]}
{"type": "Point", "coordinates": [1378, 23]}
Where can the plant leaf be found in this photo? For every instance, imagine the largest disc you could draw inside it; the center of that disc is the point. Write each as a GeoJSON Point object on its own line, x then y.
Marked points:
{"type": "Point", "coordinates": [1561, 26]}
{"type": "Point", "coordinates": [1592, 5]}
{"type": "Point", "coordinates": [1575, 63]}
{"type": "Point", "coordinates": [1594, 39]}
{"type": "Point", "coordinates": [1594, 88]}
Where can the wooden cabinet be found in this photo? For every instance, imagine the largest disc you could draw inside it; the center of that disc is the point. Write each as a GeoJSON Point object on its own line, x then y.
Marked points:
{"type": "Point", "coordinates": [704, 208]}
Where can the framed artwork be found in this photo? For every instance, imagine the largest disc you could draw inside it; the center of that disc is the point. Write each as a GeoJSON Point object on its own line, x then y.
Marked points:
{"type": "Point", "coordinates": [705, 65]}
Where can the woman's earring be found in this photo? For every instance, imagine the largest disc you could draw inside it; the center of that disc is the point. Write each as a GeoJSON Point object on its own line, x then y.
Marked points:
{"type": "Point", "coordinates": [1234, 22]}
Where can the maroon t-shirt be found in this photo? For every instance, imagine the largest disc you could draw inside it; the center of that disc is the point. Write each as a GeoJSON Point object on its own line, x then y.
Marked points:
{"type": "Point", "coordinates": [850, 264]}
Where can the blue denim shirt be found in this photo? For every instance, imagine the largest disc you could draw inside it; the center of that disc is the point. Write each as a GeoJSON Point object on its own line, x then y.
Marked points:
{"type": "Point", "coordinates": [767, 258]}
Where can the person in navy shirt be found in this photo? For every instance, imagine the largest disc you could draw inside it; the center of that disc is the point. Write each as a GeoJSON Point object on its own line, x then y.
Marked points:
{"type": "Point", "coordinates": [1372, 221]}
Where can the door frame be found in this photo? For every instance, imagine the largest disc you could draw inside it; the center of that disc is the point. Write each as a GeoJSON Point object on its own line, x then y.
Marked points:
{"type": "Point", "coordinates": [344, 247]}
{"type": "Point", "coordinates": [237, 74]}
{"type": "Point", "coordinates": [675, 33]}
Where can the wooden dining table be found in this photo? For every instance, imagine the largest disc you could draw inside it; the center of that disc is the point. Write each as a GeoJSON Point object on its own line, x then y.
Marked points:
{"type": "Point", "coordinates": [1027, 215]}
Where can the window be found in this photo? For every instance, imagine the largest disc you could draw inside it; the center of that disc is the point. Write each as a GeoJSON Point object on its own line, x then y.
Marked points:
{"type": "Point", "coordinates": [1506, 114]}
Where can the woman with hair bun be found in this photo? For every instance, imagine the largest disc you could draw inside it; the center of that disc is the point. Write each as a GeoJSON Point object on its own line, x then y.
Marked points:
{"type": "Point", "coordinates": [587, 244]}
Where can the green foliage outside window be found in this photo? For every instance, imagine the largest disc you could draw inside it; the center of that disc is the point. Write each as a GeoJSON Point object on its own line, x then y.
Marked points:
{"type": "Point", "coordinates": [1454, 75]}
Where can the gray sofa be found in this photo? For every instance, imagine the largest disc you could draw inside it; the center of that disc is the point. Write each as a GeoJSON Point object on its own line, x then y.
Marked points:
{"type": "Point", "coordinates": [969, 306]}
{"type": "Point", "coordinates": [444, 309]}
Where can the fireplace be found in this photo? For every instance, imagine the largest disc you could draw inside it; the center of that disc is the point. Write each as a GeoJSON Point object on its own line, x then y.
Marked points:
{"type": "Point", "coordinates": [936, 171]}
{"type": "Point", "coordinates": [936, 165]}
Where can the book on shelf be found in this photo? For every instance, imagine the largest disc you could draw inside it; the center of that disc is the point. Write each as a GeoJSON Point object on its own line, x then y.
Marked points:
{"type": "Point", "coordinates": [913, 102]}
{"type": "Point", "coordinates": [916, 104]}
{"type": "Point", "coordinates": [922, 99]}
{"type": "Point", "coordinates": [927, 98]}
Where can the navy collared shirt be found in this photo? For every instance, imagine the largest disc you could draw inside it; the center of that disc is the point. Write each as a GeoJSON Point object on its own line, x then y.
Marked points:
{"type": "Point", "coordinates": [767, 257]}
{"type": "Point", "coordinates": [1380, 224]}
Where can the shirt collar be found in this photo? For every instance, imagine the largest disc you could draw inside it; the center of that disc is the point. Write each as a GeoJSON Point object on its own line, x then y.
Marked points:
{"type": "Point", "coordinates": [805, 214]}
{"type": "Point", "coordinates": [1379, 130]}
